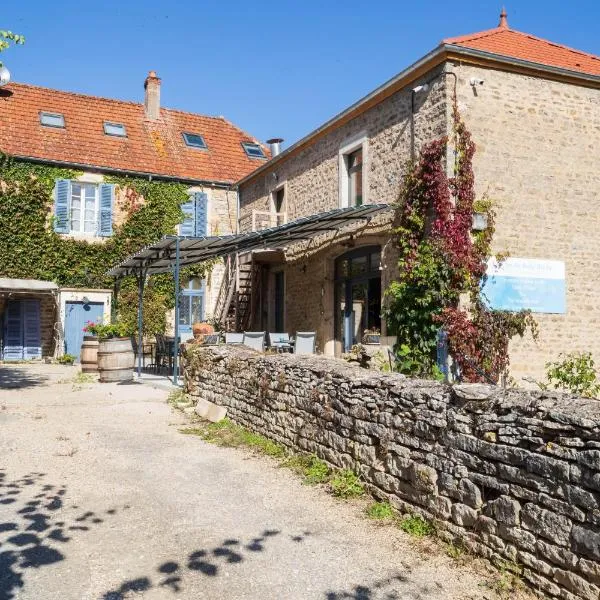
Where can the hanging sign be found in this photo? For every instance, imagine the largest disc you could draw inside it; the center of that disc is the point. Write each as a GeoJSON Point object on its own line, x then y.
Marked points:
{"type": "Point", "coordinates": [526, 283]}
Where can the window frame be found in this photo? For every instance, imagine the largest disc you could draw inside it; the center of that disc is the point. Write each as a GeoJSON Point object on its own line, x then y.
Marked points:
{"type": "Point", "coordinates": [246, 145]}
{"type": "Point", "coordinates": [113, 124]}
{"type": "Point", "coordinates": [347, 148]}
{"type": "Point", "coordinates": [81, 231]}
{"type": "Point", "coordinates": [185, 135]}
{"type": "Point", "coordinates": [45, 113]}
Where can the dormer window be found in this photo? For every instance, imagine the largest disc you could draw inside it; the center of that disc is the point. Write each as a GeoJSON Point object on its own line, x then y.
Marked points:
{"type": "Point", "coordinates": [116, 129]}
{"type": "Point", "coordinates": [49, 119]}
{"type": "Point", "coordinates": [194, 140]}
{"type": "Point", "coordinates": [253, 150]}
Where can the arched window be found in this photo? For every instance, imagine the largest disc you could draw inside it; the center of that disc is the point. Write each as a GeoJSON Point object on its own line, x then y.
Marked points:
{"type": "Point", "coordinates": [357, 295]}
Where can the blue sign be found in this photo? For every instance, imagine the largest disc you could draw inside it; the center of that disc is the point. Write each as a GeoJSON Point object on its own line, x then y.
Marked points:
{"type": "Point", "coordinates": [526, 284]}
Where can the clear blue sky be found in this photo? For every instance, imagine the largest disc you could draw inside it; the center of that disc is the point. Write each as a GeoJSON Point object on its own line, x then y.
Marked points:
{"type": "Point", "coordinates": [273, 68]}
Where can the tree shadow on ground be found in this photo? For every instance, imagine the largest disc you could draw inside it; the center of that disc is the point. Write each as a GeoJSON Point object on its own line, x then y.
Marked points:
{"type": "Point", "coordinates": [31, 532]}
{"type": "Point", "coordinates": [206, 562]}
{"type": "Point", "coordinates": [396, 587]}
{"type": "Point", "coordinates": [13, 378]}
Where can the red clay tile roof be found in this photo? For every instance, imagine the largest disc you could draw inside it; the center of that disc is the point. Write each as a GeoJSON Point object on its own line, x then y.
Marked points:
{"type": "Point", "coordinates": [154, 147]}
{"type": "Point", "coordinates": [516, 44]}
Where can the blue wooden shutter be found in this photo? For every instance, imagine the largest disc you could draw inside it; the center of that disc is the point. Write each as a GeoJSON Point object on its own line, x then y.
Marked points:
{"type": "Point", "coordinates": [107, 196]}
{"type": "Point", "coordinates": [201, 202]}
{"type": "Point", "coordinates": [189, 212]}
{"type": "Point", "coordinates": [32, 339]}
{"type": "Point", "coordinates": [62, 201]}
{"type": "Point", "coordinates": [13, 331]}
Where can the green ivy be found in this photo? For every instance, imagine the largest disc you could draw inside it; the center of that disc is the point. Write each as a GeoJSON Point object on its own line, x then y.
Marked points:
{"type": "Point", "coordinates": [31, 249]}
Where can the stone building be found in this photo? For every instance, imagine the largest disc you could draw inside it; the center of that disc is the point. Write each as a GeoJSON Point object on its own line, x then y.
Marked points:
{"type": "Point", "coordinates": [533, 108]}
{"type": "Point", "coordinates": [101, 140]}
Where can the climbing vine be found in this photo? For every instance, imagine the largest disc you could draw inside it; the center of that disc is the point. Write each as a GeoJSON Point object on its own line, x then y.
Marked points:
{"type": "Point", "coordinates": [441, 263]}
{"type": "Point", "coordinates": [31, 249]}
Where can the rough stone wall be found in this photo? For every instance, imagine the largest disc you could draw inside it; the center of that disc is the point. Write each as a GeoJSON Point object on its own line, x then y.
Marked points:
{"type": "Point", "coordinates": [514, 474]}
{"type": "Point", "coordinates": [312, 176]}
{"type": "Point", "coordinates": [538, 158]}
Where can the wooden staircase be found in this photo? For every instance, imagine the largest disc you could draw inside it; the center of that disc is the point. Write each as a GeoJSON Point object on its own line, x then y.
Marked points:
{"type": "Point", "coordinates": [234, 305]}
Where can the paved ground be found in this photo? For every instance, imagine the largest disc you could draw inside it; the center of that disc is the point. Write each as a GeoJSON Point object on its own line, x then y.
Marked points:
{"type": "Point", "coordinates": [102, 498]}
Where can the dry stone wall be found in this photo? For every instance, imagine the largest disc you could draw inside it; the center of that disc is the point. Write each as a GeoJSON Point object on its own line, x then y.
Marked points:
{"type": "Point", "coordinates": [514, 474]}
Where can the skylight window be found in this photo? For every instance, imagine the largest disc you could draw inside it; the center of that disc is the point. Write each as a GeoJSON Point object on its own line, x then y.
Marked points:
{"type": "Point", "coordinates": [117, 129]}
{"type": "Point", "coordinates": [52, 119]}
{"type": "Point", "coordinates": [253, 150]}
{"type": "Point", "coordinates": [194, 140]}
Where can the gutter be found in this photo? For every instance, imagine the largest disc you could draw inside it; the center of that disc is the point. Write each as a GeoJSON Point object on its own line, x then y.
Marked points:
{"type": "Point", "coordinates": [436, 56]}
{"type": "Point", "coordinates": [143, 174]}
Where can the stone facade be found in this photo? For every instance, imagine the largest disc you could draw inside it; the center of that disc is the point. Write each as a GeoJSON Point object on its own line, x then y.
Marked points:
{"type": "Point", "coordinates": [514, 475]}
{"type": "Point", "coordinates": [538, 159]}
{"type": "Point", "coordinates": [538, 143]}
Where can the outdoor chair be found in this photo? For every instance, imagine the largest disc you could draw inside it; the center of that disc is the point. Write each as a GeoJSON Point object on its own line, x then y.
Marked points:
{"type": "Point", "coordinates": [305, 342]}
{"type": "Point", "coordinates": [280, 342]}
{"type": "Point", "coordinates": [161, 353]}
{"type": "Point", "coordinates": [255, 340]}
{"type": "Point", "coordinates": [234, 338]}
{"type": "Point", "coordinates": [146, 350]}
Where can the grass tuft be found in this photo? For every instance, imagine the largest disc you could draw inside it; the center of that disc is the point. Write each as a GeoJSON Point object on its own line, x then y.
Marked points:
{"type": "Point", "coordinates": [228, 434]}
{"type": "Point", "coordinates": [346, 484]}
{"type": "Point", "coordinates": [416, 526]}
{"type": "Point", "coordinates": [380, 511]}
{"type": "Point", "coordinates": [176, 396]}
{"type": "Point", "coordinates": [313, 469]}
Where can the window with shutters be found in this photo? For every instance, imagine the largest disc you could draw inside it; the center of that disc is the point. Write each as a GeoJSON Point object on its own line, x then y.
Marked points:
{"type": "Point", "coordinates": [195, 213]}
{"type": "Point", "coordinates": [83, 208]}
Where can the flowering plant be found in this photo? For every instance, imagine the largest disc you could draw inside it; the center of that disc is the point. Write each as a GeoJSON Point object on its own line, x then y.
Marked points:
{"type": "Point", "coordinates": [109, 330]}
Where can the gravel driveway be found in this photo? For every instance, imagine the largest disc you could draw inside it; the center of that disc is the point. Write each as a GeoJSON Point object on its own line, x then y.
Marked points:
{"type": "Point", "coordinates": [101, 497]}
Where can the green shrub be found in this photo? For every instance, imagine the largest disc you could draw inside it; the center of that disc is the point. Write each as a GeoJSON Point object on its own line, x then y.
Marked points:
{"type": "Point", "coordinates": [66, 359]}
{"type": "Point", "coordinates": [575, 373]}
{"type": "Point", "coordinates": [312, 468]}
{"type": "Point", "coordinates": [380, 511]}
{"type": "Point", "coordinates": [416, 526]}
{"type": "Point", "coordinates": [346, 484]}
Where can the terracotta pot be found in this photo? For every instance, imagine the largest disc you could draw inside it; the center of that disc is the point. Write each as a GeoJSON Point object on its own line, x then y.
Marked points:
{"type": "Point", "coordinates": [202, 329]}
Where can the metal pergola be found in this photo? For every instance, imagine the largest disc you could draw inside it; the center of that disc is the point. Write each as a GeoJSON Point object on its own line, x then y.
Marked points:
{"type": "Point", "coordinates": [171, 253]}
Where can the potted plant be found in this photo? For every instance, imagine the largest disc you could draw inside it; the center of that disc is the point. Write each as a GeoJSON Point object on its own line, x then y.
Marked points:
{"type": "Point", "coordinates": [200, 330]}
{"type": "Point", "coordinates": [115, 352]}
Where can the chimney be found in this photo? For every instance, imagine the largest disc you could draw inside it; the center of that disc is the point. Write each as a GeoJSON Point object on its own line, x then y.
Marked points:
{"type": "Point", "coordinates": [274, 143]}
{"type": "Point", "coordinates": [152, 96]}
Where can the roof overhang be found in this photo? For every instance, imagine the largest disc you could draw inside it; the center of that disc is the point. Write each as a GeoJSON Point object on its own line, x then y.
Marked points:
{"type": "Point", "coordinates": [27, 285]}
{"type": "Point", "coordinates": [161, 256]}
{"type": "Point", "coordinates": [442, 53]}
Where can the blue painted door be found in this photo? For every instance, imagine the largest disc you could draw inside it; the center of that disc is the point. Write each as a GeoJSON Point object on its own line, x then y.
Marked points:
{"type": "Point", "coordinates": [22, 331]}
{"type": "Point", "coordinates": [77, 314]}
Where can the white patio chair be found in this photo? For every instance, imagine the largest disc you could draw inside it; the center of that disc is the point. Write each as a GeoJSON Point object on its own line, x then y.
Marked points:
{"type": "Point", "coordinates": [305, 342]}
{"type": "Point", "coordinates": [234, 338]}
{"type": "Point", "coordinates": [255, 340]}
{"type": "Point", "coordinates": [280, 341]}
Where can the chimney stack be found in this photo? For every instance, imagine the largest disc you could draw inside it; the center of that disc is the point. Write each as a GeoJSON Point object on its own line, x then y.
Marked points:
{"type": "Point", "coordinates": [152, 96]}
{"type": "Point", "coordinates": [274, 143]}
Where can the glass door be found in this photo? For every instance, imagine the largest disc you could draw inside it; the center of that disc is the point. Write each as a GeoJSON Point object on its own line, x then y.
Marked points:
{"type": "Point", "coordinates": [357, 295]}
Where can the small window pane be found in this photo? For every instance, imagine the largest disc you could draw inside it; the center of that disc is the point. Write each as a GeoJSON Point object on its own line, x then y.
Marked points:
{"type": "Point", "coordinates": [117, 129]}
{"type": "Point", "coordinates": [52, 119]}
{"type": "Point", "coordinates": [253, 150]}
{"type": "Point", "coordinates": [194, 140]}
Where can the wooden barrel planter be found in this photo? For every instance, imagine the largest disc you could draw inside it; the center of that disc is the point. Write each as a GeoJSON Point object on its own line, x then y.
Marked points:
{"type": "Point", "coordinates": [115, 360]}
{"type": "Point", "coordinates": [89, 354]}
